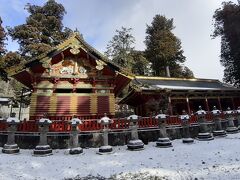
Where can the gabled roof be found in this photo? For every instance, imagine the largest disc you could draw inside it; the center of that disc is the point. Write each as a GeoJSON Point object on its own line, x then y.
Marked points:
{"type": "Point", "coordinates": [142, 87]}
{"type": "Point", "coordinates": [75, 44]}
{"type": "Point", "coordinates": [74, 39]}
{"type": "Point", "coordinates": [164, 83]}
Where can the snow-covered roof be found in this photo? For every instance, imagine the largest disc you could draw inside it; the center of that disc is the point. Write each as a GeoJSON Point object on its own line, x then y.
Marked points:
{"type": "Point", "coordinates": [229, 112]}
{"type": "Point", "coordinates": [13, 119]}
{"type": "Point", "coordinates": [161, 116]}
{"type": "Point", "coordinates": [216, 111]}
{"type": "Point", "coordinates": [152, 83]}
{"type": "Point", "coordinates": [159, 85]}
{"type": "Point", "coordinates": [184, 117]}
{"type": "Point", "coordinates": [238, 110]}
{"type": "Point", "coordinates": [133, 117]}
{"type": "Point", "coordinates": [199, 112]}
{"type": "Point", "coordinates": [105, 120]}
{"type": "Point", "coordinates": [75, 121]}
{"type": "Point", "coordinates": [45, 120]}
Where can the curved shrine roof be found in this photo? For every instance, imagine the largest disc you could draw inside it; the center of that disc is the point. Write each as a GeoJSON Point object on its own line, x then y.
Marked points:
{"type": "Point", "coordinates": [162, 83]}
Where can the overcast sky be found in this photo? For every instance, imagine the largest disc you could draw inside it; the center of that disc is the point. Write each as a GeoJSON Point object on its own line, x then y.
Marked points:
{"type": "Point", "coordinates": [97, 20]}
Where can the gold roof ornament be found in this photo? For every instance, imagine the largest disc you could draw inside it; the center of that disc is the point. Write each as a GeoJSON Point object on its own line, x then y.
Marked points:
{"type": "Point", "coordinates": [100, 64]}
{"type": "Point", "coordinates": [74, 49]}
{"type": "Point", "coordinates": [46, 64]}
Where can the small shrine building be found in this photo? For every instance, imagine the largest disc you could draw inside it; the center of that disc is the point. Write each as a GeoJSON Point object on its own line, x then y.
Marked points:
{"type": "Point", "coordinates": [70, 79]}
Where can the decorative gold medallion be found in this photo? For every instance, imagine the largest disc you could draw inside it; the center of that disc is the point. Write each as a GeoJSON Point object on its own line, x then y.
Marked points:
{"type": "Point", "coordinates": [74, 49]}
{"type": "Point", "coordinates": [99, 65]}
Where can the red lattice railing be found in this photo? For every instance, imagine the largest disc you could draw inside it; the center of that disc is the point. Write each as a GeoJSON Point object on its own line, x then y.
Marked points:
{"type": "Point", "coordinates": [62, 124]}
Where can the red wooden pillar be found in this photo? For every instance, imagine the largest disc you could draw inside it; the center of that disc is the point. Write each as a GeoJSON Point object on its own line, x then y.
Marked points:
{"type": "Point", "coordinates": [207, 106]}
{"type": "Point", "coordinates": [188, 106]}
{"type": "Point", "coordinates": [219, 103]}
{"type": "Point", "coordinates": [170, 105]}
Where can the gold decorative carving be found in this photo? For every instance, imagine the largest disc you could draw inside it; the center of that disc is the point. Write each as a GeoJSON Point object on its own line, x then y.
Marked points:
{"type": "Point", "coordinates": [100, 65]}
{"type": "Point", "coordinates": [75, 67]}
{"type": "Point", "coordinates": [46, 62]}
{"type": "Point", "coordinates": [74, 49]}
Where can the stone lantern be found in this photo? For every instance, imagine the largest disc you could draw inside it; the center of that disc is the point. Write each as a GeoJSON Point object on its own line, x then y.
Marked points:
{"type": "Point", "coordinates": [231, 129]}
{"type": "Point", "coordinates": [135, 143]}
{"type": "Point", "coordinates": [204, 134]}
{"type": "Point", "coordinates": [11, 147]}
{"type": "Point", "coordinates": [105, 122]}
{"type": "Point", "coordinates": [43, 149]}
{"type": "Point", "coordinates": [218, 125]}
{"type": "Point", "coordinates": [238, 117]}
{"type": "Point", "coordinates": [75, 149]}
{"type": "Point", "coordinates": [163, 140]}
{"type": "Point", "coordinates": [185, 125]}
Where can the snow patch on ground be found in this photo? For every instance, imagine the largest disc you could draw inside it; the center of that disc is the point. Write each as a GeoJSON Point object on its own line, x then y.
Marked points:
{"type": "Point", "coordinates": [217, 159]}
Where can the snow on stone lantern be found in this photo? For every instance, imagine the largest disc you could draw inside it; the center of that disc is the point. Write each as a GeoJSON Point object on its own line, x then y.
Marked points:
{"type": "Point", "coordinates": [231, 128]}
{"type": "Point", "coordinates": [11, 147]}
{"type": "Point", "coordinates": [204, 134]}
{"type": "Point", "coordinates": [238, 117]}
{"type": "Point", "coordinates": [218, 131]}
{"type": "Point", "coordinates": [135, 143]}
{"type": "Point", "coordinates": [185, 125]}
{"type": "Point", "coordinates": [105, 122]}
{"type": "Point", "coordinates": [43, 149]}
{"type": "Point", "coordinates": [163, 140]}
{"type": "Point", "coordinates": [75, 149]}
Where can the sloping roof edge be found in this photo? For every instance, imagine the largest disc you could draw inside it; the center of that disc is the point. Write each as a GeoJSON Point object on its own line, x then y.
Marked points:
{"type": "Point", "coordinates": [64, 45]}
{"type": "Point", "coordinates": [174, 78]}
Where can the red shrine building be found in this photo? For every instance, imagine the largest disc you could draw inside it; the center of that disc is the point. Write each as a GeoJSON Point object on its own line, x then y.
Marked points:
{"type": "Point", "coordinates": [149, 94]}
{"type": "Point", "coordinates": [73, 78]}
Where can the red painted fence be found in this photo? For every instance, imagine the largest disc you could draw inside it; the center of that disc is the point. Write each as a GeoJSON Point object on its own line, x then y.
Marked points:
{"type": "Point", "coordinates": [92, 125]}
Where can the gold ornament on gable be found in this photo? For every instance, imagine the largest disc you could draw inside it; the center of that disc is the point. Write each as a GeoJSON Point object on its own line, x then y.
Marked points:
{"type": "Point", "coordinates": [74, 66]}
{"type": "Point", "coordinates": [74, 49]}
{"type": "Point", "coordinates": [100, 65]}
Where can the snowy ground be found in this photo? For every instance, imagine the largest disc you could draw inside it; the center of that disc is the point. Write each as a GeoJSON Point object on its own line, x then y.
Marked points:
{"type": "Point", "coordinates": [217, 159]}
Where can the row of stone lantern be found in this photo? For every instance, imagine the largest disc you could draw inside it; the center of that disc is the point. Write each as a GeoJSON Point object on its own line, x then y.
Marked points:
{"type": "Point", "coordinates": [231, 129]}
{"type": "Point", "coordinates": [43, 149]}
{"type": "Point", "coordinates": [11, 147]}
{"type": "Point", "coordinates": [134, 143]}
{"type": "Point", "coordinates": [205, 134]}
{"type": "Point", "coordinates": [185, 125]}
{"type": "Point", "coordinates": [218, 131]}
